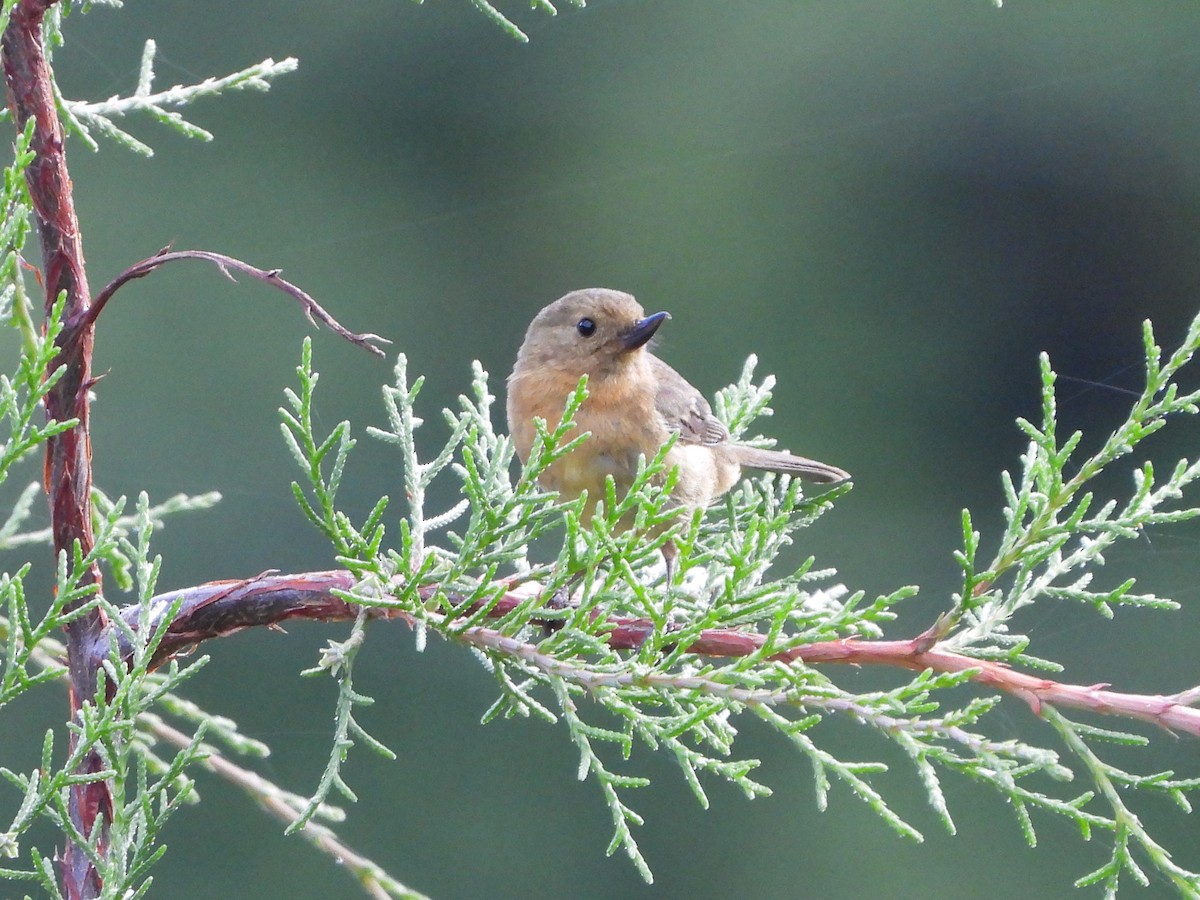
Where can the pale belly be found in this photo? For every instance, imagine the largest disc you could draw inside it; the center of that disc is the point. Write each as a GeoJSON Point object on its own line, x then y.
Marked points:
{"type": "Point", "coordinates": [624, 425]}
{"type": "Point", "coordinates": [587, 468]}
{"type": "Point", "coordinates": [703, 473]}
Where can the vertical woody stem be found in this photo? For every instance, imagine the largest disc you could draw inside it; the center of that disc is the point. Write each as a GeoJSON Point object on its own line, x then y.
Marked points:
{"type": "Point", "coordinates": [68, 472]}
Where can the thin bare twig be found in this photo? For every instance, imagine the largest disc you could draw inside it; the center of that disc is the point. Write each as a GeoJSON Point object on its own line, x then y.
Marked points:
{"type": "Point", "coordinates": [313, 311]}
{"type": "Point", "coordinates": [284, 807]}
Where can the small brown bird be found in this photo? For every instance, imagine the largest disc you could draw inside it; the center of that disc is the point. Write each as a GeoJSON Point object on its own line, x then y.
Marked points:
{"type": "Point", "coordinates": [635, 401]}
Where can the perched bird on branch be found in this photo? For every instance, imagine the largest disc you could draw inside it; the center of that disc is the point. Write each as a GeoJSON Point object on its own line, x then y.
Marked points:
{"type": "Point", "coordinates": [635, 402]}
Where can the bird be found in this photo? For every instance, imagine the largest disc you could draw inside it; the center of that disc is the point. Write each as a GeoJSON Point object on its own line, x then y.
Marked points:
{"type": "Point", "coordinates": [634, 403]}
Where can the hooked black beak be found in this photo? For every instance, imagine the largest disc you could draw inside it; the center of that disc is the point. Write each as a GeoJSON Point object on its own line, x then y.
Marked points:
{"type": "Point", "coordinates": [643, 330]}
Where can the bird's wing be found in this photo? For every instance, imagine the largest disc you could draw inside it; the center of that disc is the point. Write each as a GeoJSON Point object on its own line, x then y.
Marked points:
{"type": "Point", "coordinates": [684, 408]}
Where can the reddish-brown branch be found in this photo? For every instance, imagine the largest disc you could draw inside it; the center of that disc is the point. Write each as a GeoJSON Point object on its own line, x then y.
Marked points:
{"type": "Point", "coordinates": [1172, 712]}
{"type": "Point", "coordinates": [221, 608]}
{"type": "Point", "coordinates": [68, 457]}
{"type": "Point", "coordinates": [68, 472]}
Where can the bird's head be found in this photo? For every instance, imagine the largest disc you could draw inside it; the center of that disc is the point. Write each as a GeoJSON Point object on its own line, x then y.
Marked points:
{"type": "Point", "coordinates": [596, 331]}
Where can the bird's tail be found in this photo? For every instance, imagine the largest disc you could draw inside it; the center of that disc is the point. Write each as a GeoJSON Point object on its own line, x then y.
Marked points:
{"type": "Point", "coordinates": [786, 463]}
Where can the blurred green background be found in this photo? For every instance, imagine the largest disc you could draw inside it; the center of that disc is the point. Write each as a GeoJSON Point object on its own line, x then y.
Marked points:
{"type": "Point", "coordinates": [896, 206]}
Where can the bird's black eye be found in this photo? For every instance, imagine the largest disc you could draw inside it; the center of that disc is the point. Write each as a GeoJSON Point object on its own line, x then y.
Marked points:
{"type": "Point", "coordinates": [586, 327]}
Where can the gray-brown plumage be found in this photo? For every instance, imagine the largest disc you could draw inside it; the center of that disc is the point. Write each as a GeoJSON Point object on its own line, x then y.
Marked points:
{"type": "Point", "coordinates": [635, 400]}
